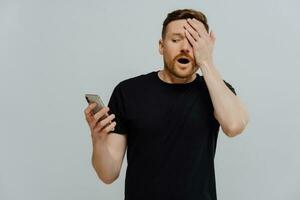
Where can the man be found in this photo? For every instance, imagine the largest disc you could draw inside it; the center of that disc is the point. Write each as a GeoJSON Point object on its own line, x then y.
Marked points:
{"type": "Point", "coordinates": [169, 119]}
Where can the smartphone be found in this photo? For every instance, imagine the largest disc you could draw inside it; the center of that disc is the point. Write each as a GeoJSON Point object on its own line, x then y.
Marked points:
{"type": "Point", "coordinates": [94, 98]}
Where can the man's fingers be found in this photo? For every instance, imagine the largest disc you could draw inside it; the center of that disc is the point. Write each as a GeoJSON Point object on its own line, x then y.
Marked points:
{"type": "Point", "coordinates": [103, 123]}
{"type": "Point", "coordinates": [192, 32]}
{"type": "Point", "coordinates": [89, 109]}
{"type": "Point", "coordinates": [106, 127]}
{"type": "Point", "coordinates": [88, 112]}
{"type": "Point", "coordinates": [97, 117]}
{"type": "Point", "coordinates": [190, 38]}
{"type": "Point", "coordinates": [200, 28]}
{"type": "Point", "coordinates": [110, 127]}
{"type": "Point", "coordinates": [193, 24]}
{"type": "Point", "coordinates": [108, 119]}
{"type": "Point", "coordinates": [101, 113]}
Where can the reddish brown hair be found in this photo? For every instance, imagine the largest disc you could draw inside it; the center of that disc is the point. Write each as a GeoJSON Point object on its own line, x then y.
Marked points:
{"type": "Point", "coordinates": [183, 14]}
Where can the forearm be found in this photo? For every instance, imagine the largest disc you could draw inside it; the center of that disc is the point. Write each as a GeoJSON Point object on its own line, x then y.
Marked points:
{"type": "Point", "coordinates": [231, 112]}
{"type": "Point", "coordinates": [103, 162]}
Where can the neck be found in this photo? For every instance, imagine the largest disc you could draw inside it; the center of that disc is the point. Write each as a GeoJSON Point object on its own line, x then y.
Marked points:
{"type": "Point", "coordinates": [168, 77]}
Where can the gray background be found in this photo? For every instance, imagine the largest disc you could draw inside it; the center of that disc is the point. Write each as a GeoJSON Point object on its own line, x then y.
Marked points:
{"type": "Point", "coordinates": [53, 52]}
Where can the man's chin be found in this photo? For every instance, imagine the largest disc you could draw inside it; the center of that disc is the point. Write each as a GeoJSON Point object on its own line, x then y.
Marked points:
{"type": "Point", "coordinates": [183, 72]}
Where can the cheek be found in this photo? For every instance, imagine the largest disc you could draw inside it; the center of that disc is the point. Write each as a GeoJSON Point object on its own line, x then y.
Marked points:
{"type": "Point", "coordinates": [171, 50]}
{"type": "Point", "coordinates": [169, 56]}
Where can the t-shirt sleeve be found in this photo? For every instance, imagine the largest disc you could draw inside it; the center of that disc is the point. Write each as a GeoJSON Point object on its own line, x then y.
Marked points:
{"type": "Point", "coordinates": [116, 107]}
{"type": "Point", "coordinates": [230, 87]}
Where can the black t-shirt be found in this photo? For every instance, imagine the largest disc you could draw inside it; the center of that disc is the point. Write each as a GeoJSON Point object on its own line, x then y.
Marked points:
{"type": "Point", "coordinates": [171, 137]}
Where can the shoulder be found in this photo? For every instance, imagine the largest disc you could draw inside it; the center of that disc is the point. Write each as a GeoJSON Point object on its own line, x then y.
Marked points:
{"type": "Point", "coordinates": [229, 85]}
{"type": "Point", "coordinates": [136, 81]}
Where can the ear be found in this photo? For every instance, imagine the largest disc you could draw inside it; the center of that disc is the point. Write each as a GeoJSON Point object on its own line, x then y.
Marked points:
{"type": "Point", "coordinates": [161, 47]}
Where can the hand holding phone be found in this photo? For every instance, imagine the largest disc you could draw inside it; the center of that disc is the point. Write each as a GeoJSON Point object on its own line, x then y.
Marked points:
{"type": "Point", "coordinates": [94, 98]}
{"type": "Point", "coordinates": [98, 128]}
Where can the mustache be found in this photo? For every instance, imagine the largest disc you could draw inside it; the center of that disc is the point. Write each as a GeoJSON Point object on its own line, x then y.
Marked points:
{"type": "Point", "coordinates": [183, 55]}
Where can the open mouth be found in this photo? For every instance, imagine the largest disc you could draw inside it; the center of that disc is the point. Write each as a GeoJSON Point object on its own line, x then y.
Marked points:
{"type": "Point", "coordinates": [183, 60]}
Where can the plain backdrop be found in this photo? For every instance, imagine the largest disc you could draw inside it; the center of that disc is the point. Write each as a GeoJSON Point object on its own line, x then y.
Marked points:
{"type": "Point", "coordinates": [53, 52]}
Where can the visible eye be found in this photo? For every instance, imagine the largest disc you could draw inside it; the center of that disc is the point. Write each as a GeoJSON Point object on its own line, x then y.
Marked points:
{"type": "Point", "coordinates": [175, 40]}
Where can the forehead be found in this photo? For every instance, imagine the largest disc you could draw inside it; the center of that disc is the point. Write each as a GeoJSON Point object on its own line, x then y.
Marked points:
{"type": "Point", "coordinates": [175, 26]}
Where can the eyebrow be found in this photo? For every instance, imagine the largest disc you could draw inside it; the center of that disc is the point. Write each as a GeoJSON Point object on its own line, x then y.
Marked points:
{"type": "Point", "coordinates": [177, 34]}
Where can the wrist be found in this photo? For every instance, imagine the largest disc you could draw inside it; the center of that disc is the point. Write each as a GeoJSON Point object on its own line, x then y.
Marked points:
{"type": "Point", "coordinates": [206, 63]}
{"type": "Point", "coordinates": [98, 141]}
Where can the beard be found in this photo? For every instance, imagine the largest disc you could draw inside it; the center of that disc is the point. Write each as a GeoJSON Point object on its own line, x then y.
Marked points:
{"type": "Point", "coordinates": [180, 72]}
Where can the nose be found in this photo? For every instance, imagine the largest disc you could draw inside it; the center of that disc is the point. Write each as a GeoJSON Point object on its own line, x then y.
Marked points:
{"type": "Point", "coordinates": [185, 47]}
